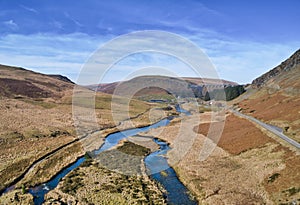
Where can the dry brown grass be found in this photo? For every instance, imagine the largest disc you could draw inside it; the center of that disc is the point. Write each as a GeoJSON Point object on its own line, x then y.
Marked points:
{"type": "Point", "coordinates": [274, 106]}
{"type": "Point", "coordinates": [46, 169]}
{"type": "Point", "coordinates": [16, 156]}
{"type": "Point", "coordinates": [23, 138]}
{"type": "Point", "coordinates": [284, 185]}
{"type": "Point", "coordinates": [238, 135]}
{"type": "Point", "coordinates": [277, 109]}
{"type": "Point", "coordinates": [20, 82]}
{"type": "Point", "coordinates": [32, 126]}
{"type": "Point", "coordinates": [238, 169]}
{"type": "Point", "coordinates": [28, 131]}
{"type": "Point", "coordinates": [93, 184]}
{"type": "Point", "coordinates": [16, 198]}
{"type": "Point", "coordinates": [277, 103]}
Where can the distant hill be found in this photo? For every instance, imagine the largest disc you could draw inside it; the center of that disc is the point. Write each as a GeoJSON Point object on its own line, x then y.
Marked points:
{"type": "Point", "coordinates": [164, 86]}
{"type": "Point", "coordinates": [275, 96]}
{"type": "Point", "coordinates": [19, 82]}
{"type": "Point", "coordinates": [208, 81]}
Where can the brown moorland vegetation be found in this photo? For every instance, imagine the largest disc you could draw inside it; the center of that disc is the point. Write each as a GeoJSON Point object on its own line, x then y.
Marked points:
{"type": "Point", "coordinates": [36, 118]}
{"type": "Point", "coordinates": [247, 167]}
{"type": "Point", "coordinates": [92, 183]}
{"type": "Point", "coordinates": [277, 101]}
{"type": "Point", "coordinates": [238, 135]}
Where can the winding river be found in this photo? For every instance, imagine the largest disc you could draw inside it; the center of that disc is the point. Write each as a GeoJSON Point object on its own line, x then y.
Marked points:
{"type": "Point", "coordinates": [177, 193]}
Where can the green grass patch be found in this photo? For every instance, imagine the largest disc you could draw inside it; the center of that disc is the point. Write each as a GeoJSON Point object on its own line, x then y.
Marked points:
{"type": "Point", "coordinates": [133, 149]}
{"type": "Point", "coordinates": [203, 109]}
{"type": "Point", "coordinates": [126, 158]}
{"type": "Point", "coordinates": [39, 102]}
{"type": "Point", "coordinates": [166, 97]}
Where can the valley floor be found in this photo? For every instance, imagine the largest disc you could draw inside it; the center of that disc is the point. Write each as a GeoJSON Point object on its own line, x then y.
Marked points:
{"type": "Point", "coordinates": [247, 167]}
{"type": "Point", "coordinates": [19, 149]}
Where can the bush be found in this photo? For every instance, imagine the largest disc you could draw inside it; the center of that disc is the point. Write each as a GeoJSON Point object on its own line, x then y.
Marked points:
{"type": "Point", "coordinates": [273, 177]}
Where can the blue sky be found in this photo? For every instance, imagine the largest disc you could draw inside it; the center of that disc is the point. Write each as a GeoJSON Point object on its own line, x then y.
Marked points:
{"type": "Point", "coordinates": [243, 39]}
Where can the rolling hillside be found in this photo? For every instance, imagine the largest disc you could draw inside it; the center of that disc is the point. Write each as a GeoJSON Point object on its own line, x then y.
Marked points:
{"type": "Point", "coordinates": [163, 87]}
{"type": "Point", "coordinates": [36, 119]}
{"type": "Point", "coordinates": [274, 97]}
{"type": "Point", "coordinates": [19, 82]}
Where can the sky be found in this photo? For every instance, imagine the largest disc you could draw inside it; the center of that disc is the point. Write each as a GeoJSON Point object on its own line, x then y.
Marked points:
{"type": "Point", "coordinates": [242, 39]}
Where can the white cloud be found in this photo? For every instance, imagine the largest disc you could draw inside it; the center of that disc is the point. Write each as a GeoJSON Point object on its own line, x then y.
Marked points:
{"type": "Point", "coordinates": [29, 9]}
{"type": "Point", "coordinates": [48, 53]}
{"type": "Point", "coordinates": [11, 24]}
{"type": "Point", "coordinates": [168, 50]}
{"type": "Point", "coordinates": [47, 65]}
{"type": "Point", "coordinates": [57, 24]}
{"type": "Point", "coordinates": [67, 15]}
{"type": "Point", "coordinates": [235, 60]}
{"type": "Point", "coordinates": [241, 60]}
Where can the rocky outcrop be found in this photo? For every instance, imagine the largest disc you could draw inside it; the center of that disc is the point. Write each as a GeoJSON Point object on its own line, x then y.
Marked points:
{"type": "Point", "coordinates": [285, 66]}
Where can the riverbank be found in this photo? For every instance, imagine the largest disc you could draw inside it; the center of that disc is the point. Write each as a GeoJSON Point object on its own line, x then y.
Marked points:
{"type": "Point", "coordinates": [13, 173]}
{"type": "Point", "coordinates": [51, 165]}
{"type": "Point", "coordinates": [246, 167]}
{"type": "Point", "coordinates": [93, 183]}
{"type": "Point", "coordinates": [126, 159]}
{"type": "Point", "coordinates": [109, 164]}
{"type": "Point", "coordinates": [180, 138]}
{"type": "Point", "coordinates": [113, 156]}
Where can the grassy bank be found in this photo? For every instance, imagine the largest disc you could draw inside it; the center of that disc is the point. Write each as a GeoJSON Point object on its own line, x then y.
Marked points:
{"type": "Point", "coordinates": [46, 169]}
{"type": "Point", "coordinates": [93, 183]}
{"type": "Point", "coordinates": [264, 167]}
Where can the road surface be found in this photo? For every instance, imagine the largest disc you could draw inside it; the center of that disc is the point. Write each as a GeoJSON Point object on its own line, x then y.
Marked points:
{"type": "Point", "coordinates": [271, 128]}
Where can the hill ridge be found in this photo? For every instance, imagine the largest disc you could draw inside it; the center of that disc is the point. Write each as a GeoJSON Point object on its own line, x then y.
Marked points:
{"type": "Point", "coordinates": [16, 82]}
{"type": "Point", "coordinates": [285, 66]}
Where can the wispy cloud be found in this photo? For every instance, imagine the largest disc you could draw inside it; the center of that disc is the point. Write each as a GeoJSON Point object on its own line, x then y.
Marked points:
{"type": "Point", "coordinates": [234, 59]}
{"type": "Point", "coordinates": [48, 53]}
{"type": "Point", "coordinates": [242, 60]}
{"type": "Point", "coordinates": [67, 15]}
{"type": "Point", "coordinates": [57, 24]}
{"type": "Point", "coordinates": [11, 25]}
{"type": "Point", "coordinates": [29, 9]}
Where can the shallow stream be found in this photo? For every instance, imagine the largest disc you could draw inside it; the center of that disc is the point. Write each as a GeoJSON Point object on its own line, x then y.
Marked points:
{"type": "Point", "coordinates": [156, 164]}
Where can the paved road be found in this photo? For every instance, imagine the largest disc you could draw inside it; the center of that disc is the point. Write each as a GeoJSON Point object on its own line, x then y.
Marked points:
{"type": "Point", "coordinates": [271, 128]}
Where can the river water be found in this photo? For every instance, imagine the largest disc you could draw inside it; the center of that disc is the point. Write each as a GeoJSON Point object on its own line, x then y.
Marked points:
{"type": "Point", "coordinates": [159, 170]}
{"type": "Point", "coordinates": [39, 192]}
{"type": "Point", "coordinates": [156, 164]}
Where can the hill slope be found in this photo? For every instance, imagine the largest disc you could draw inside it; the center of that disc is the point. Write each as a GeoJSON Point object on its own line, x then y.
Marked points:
{"type": "Point", "coordinates": [280, 70]}
{"type": "Point", "coordinates": [275, 97]}
{"type": "Point", "coordinates": [149, 87]}
{"type": "Point", "coordinates": [19, 82]}
{"type": "Point", "coordinates": [34, 121]}
{"type": "Point", "coordinates": [36, 118]}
